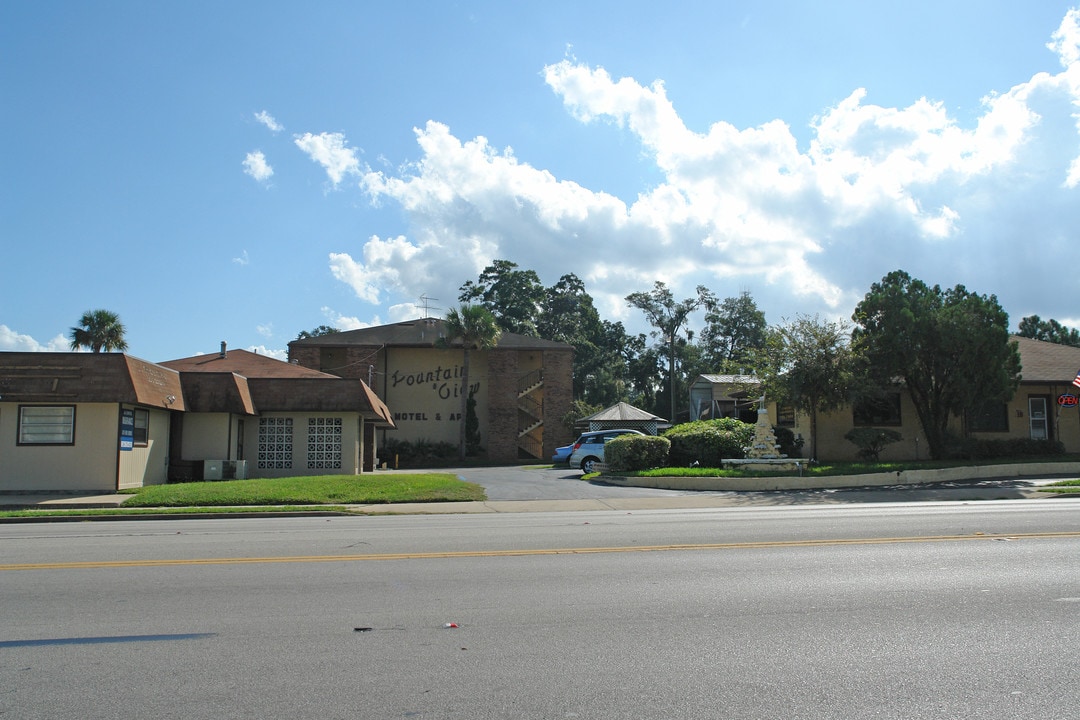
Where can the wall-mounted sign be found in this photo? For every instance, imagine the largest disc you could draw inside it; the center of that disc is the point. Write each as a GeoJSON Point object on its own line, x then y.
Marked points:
{"type": "Point", "coordinates": [1067, 400]}
{"type": "Point", "coordinates": [127, 429]}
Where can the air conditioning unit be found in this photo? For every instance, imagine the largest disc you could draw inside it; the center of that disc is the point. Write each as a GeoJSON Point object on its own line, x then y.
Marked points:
{"type": "Point", "coordinates": [234, 470]}
{"type": "Point", "coordinates": [212, 470]}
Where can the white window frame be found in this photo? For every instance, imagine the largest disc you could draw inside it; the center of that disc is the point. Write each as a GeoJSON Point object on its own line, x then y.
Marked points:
{"type": "Point", "coordinates": [46, 425]}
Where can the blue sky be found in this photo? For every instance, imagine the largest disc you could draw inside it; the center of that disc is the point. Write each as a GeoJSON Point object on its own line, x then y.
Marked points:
{"type": "Point", "coordinates": [243, 171]}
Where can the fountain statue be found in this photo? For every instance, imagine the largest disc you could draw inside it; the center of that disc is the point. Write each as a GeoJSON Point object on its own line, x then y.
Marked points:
{"type": "Point", "coordinates": [764, 445]}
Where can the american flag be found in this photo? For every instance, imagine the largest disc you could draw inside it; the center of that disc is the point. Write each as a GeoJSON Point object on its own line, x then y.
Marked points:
{"type": "Point", "coordinates": [1076, 380]}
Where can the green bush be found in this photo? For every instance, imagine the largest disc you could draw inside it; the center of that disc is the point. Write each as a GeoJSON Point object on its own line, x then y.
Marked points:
{"type": "Point", "coordinates": [708, 442]}
{"type": "Point", "coordinates": [790, 445]}
{"type": "Point", "coordinates": [871, 441]}
{"type": "Point", "coordinates": [636, 452]}
{"type": "Point", "coordinates": [417, 453]}
{"type": "Point", "coordinates": [985, 448]}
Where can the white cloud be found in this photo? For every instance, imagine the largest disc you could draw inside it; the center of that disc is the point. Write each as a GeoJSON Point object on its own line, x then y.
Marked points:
{"type": "Point", "coordinates": [809, 229]}
{"type": "Point", "coordinates": [243, 259]}
{"type": "Point", "coordinates": [268, 120]}
{"type": "Point", "coordinates": [330, 151]}
{"type": "Point", "coordinates": [341, 322]}
{"type": "Point", "coordinates": [266, 330]}
{"type": "Point", "coordinates": [256, 166]}
{"type": "Point", "coordinates": [269, 352]}
{"type": "Point", "coordinates": [12, 341]}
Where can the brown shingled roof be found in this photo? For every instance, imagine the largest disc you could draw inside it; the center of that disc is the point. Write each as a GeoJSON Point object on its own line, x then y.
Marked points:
{"type": "Point", "coordinates": [88, 377]}
{"type": "Point", "coordinates": [242, 362]}
{"type": "Point", "coordinates": [1046, 362]}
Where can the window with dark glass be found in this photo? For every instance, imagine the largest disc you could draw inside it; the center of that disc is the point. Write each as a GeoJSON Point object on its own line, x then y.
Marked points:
{"type": "Point", "coordinates": [141, 436]}
{"type": "Point", "coordinates": [878, 411]}
{"type": "Point", "coordinates": [993, 417]}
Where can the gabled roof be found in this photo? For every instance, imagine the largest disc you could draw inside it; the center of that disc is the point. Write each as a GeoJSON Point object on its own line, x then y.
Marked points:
{"type": "Point", "coordinates": [1046, 362]}
{"type": "Point", "coordinates": [242, 362]}
{"type": "Point", "coordinates": [417, 333]}
{"type": "Point", "coordinates": [730, 379]}
{"type": "Point", "coordinates": [248, 383]}
{"type": "Point", "coordinates": [622, 412]}
{"type": "Point", "coordinates": [217, 392]}
{"type": "Point", "coordinates": [72, 377]}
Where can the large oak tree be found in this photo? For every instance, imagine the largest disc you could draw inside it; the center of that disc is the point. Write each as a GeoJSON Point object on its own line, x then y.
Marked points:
{"type": "Point", "coordinates": [950, 349]}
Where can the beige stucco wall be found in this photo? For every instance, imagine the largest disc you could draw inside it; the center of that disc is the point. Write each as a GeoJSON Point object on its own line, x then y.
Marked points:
{"type": "Point", "coordinates": [147, 465]}
{"type": "Point", "coordinates": [832, 426]}
{"type": "Point", "coordinates": [89, 465]}
{"type": "Point", "coordinates": [423, 391]}
{"type": "Point", "coordinates": [351, 446]}
{"type": "Point", "coordinates": [1064, 421]}
{"type": "Point", "coordinates": [206, 436]}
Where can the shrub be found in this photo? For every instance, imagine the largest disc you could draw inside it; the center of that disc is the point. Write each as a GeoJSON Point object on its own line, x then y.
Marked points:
{"type": "Point", "coordinates": [987, 448]}
{"type": "Point", "coordinates": [789, 444]}
{"type": "Point", "coordinates": [871, 441]}
{"type": "Point", "coordinates": [636, 452]}
{"type": "Point", "coordinates": [417, 453]}
{"type": "Point", "coordinates": [708, 442]}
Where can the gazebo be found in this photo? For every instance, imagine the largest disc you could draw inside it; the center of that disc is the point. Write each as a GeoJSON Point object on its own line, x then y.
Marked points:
{"type": "Point", "coordinates": [624, 415]}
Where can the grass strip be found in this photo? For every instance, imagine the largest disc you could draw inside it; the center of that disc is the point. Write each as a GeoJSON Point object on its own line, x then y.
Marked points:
{"type": "Point", "coordinates": [219, 510]}
{"type": "Point", "coordinates": [314, 490]}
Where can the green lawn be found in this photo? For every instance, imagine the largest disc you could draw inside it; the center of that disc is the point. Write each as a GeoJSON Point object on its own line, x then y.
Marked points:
{"type": "Point", "coordinates": [316, 490]}
{"type": "Point", "coordinates": [1063, 487]}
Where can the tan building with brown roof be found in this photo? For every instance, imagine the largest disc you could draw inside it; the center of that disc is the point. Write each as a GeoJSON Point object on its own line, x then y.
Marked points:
{"type": "Point", "coordinates": [1044, 407]}
{"type": "Point", "coordinates": [99, 422]}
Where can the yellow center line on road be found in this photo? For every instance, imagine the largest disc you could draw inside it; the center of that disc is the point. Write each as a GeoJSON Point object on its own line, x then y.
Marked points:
{"type": "Point", "coordinates": [524, 553]}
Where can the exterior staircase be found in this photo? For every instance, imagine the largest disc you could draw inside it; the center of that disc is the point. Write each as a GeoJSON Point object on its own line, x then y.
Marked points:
{"type": "Point", "coordinates": [530, 406]}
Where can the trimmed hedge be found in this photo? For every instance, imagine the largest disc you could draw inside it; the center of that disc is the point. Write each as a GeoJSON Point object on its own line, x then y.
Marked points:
{"type": "Point", "coordinates": [417, 453]}
{"type": "Point", "coordinates": [636, 452]}
{"type": "Point", "coordinates": [708, 442]}
{"type": "Point", "coordinates": [981, 448]}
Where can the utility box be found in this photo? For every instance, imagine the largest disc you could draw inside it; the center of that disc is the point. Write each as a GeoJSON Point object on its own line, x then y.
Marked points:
{"type": "Point", "coordinates": [212, 469]}
{"type": "Point", "coordinates": [234, 470]}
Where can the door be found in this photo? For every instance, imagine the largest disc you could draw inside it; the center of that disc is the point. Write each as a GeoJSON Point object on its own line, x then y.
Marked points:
{"type": "Point", "coordinates": [1038, 418]}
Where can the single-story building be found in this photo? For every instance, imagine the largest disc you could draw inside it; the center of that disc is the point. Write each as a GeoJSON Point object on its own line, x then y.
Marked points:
{"type": "Point", "coordinates": [523, 386]}
{"type": "Point", "coordinates": [724, 396]}
{"type": "Point", "coordinates": [1044, 407]}
{"type": "Point", "coordinates": [277, 418]}
{"type": "Point", "coordinates": [101, 422]}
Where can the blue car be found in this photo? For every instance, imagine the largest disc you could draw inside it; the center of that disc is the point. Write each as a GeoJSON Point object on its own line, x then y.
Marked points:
{"type": "Point", "coordinates": [562, 455]}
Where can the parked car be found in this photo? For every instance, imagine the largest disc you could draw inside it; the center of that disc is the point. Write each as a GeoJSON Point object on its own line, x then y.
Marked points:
{"type": "Point", "coordinates": [562, 455]}
{"type": "Point", "coordinates": [589, 448]}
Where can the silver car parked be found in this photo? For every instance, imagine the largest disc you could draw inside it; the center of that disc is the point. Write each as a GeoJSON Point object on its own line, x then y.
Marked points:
{"type": "Point", "coordinates": [589, 448]}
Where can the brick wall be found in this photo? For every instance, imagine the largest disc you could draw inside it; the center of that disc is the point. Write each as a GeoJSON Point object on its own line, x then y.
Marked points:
{"type": "Point", "coordinates": [503, 375]}
{"type": "Point", "coordinates": [558, 398]}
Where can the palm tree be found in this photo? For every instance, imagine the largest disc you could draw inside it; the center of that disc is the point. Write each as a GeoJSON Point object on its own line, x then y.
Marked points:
{"type": "Point", "coordinates": [476, 329]}
{"type": "Point", "coordinates": [99, 330]}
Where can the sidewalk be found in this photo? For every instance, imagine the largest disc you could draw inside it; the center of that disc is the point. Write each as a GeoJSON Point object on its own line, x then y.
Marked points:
{"type": "Point", "coordinates": [1004, 489]}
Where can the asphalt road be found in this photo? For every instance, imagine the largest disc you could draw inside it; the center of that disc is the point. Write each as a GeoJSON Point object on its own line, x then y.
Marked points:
{"type": "Point", "coordinates": [886, 611]}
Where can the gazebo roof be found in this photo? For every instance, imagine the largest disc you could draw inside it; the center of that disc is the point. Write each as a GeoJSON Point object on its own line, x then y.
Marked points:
{"type": "Point", "coordinates": [622, 412]}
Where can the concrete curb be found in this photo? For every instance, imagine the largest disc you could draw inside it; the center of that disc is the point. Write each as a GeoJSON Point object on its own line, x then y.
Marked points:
{"type": "Point", "coordinates": [904, 477]}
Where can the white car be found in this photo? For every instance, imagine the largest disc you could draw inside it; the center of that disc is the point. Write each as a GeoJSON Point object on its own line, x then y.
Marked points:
{"type": "Point", "coordinates": [589, 448]}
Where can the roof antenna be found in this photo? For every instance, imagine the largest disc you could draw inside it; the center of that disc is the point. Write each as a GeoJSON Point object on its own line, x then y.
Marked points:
{"type": "Point", "coordinates": [427, 305]}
